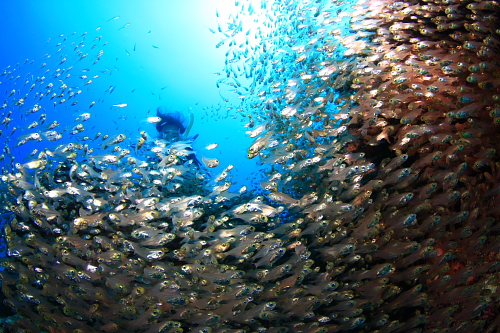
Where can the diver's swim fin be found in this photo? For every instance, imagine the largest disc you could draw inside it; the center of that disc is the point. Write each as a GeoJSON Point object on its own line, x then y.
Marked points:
{"type": "Point", "coordinates": [191, 121]}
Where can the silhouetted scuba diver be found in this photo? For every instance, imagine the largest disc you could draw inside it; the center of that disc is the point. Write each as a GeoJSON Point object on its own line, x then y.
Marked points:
{"type": "Point", "coordinates": [172, 128]}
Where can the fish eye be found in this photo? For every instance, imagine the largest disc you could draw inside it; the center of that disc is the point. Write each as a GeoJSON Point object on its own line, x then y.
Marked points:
{"type": "Point", "coordinates": [270, 305]}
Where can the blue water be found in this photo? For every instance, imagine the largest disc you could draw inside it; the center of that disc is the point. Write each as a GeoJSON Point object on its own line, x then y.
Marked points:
{"type": "Point", "coordinates": [159, 53]}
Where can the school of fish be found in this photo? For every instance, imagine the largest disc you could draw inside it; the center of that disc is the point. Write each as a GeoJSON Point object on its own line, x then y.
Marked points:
{"type": "Point", "coordinates": [379, 124]}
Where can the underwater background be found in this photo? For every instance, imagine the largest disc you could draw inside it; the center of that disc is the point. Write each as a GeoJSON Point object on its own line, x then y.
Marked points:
{"type": "Point", "coordinates": [349, 176]}
{"type": "Point", "coordinates": [164, 56]}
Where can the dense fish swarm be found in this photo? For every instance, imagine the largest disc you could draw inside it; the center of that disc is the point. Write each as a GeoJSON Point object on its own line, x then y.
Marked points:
{"type": "Point", "coordinates": [381, 209]}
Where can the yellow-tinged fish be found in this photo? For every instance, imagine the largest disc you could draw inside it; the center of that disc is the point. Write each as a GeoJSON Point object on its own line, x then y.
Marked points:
{"type": "Point", "coordinates": [139, 144]}
{"type": "Point", "coordinates": [258, 145]}
{"type": "Point", "coordinates": [210, 162]}
{"type": "Point", "coordinates": [35, 164]}
{"type": "Point", "coordinates": [114, 140]}
{"type": "Point", "coordinates": [257, 130]}
{"type": "Point", "coordinates": [107, 158]}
